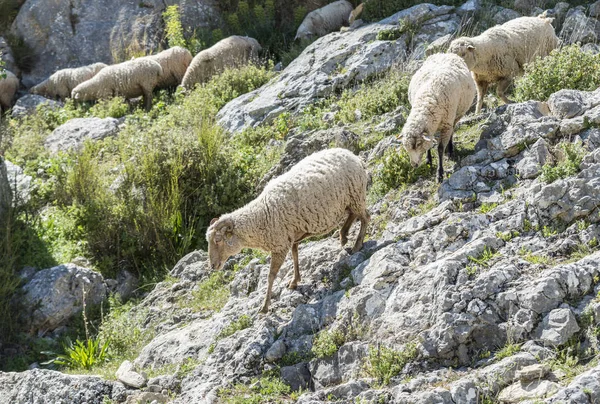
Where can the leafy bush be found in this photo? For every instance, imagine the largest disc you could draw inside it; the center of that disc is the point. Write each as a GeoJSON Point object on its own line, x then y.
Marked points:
{"type": "Point", "coordinates": [568, 166]}
{"type": "Point", "coordinates": [326, 343]}
{"type": "Point", "coordinates": [384, 363]}
{"type": "Point", "coordinates": [565, 68]}
{"type": "Point", "coordinates": [396, 171]}
{"type": "Point", "coordinates": [81, 354]}
{"type": "Point", "coordinates": [173, 28]}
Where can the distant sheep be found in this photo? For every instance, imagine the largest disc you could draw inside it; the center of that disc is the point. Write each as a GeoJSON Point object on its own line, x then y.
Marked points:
{"type": "Point", "coordinates": [60, 84]}
{"type": "Point", "coordinates": [500, 53]}
{"type": "Point", "coordinates": [134, 78]}
{"type": "Point", "coordinates": [8, 87]}
{"type": "Point", "coordinates": [310, 199]}
{"type": "Point", "coordinates": [326, 19]}
{"type": "Point", "coordinates": [233, 51]}
{"type": "Point", "coordinates": [174, 62]}
{"type": "Point", "coordinates": [356, 13]}
{"type": "Point", "coordinates": [440, 93]}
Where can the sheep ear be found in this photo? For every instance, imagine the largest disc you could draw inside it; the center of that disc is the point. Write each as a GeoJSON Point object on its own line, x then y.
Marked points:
{"type": "Point", "coordinates": [427, 138]}
{"type": "Point", "coordinates": [470, 47]}
{"type": "Point", "coordinates": [214, 221]}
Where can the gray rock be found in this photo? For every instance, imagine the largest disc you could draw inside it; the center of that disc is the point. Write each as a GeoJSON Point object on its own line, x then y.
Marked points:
{"type": "Point", "coordinates": [592, 48]}
{"type": "Point", "coordinates": [332, 63]}
{"type": "Point", "coordinates": [28, 104]}
{"type": "Point", "coordinates": [73, 133]}
{"type": "Point", "coordinates": [147, 397]}
{"type": "Point", "coordinates": [517, 392]}
{"type": "Point", "coordinates": [48, 386]}
{"type": "Point", "coordinates": [20, 183]}
{"type": "Point", "coordinates": [533, 372]}
{"type": "Point", "coordinates": [128, 376]}
{"type": "Point", "coordinates": [276, 351]}
{"type": "Point", "coordinates": [557, 327]}
{"type": "Point", "coordinates": [125, 284]}
{"type": "Point", "coordinates": [533, 159]}
{"type": "Point", "coordinates": [594, 9]}
{"type": "Point", "coordinates": [568, 103]}
{"type": "Point", "coordinates": [297, 376]}
{"type": "Point", "coordinates": [469, 7]}
{"type": "Point", "coordinates": [578, 28]}
{"type": "Point", "coordinates": [504, 15]}
{"type": "Point", "coordinates": [525, 6]}
{"type": "Point", "coordinates": [75, 34]}
{"type": "Point", "coordinates": [585, 388]}
{"type": "Point", "coordinates": [439, 45]}
{"type": "Point", "coordinates": [55, 295]}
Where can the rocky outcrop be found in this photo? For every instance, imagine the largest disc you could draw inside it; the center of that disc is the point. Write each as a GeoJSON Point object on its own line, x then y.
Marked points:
{"type": "Point", "coordinates": [338, 60]}
{"type": "Point", "coordinates": [73, 133]}
{"type": "Point", "coordinates": [55, 295]}
{"type": "Point", "coordinates": [65, 34]}
{"type": "Point", "coordinates": [28, 104]}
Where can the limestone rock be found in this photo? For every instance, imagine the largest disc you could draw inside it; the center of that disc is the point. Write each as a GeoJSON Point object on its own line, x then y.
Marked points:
{"type": "Point", "coordinates": [128, 376]}
{"type": "Point", "coordinates": [517, 392]}
{"type": "Point", "coordinates": [578, 28]}
{"type": "Point", "coordinates": [73, 133]}
{"type": "Point", "coordinates": [27, 105]}
{"type": "Point", "coordinates": [558, 326]}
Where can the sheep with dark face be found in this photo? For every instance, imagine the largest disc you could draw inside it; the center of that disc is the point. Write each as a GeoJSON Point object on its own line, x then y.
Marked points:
{"type": "Point", "coordinates": [500, 53]}
{"type": "Point", "coordinates": [440, 93]}
{"type": "Point", "coordinates": [310, 199]}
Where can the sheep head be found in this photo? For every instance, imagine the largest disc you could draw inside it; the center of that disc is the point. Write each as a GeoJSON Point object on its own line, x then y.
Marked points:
{"type": "Point", "coordinates": [464, 48]}
{"type": "Point", "coordinates": [222, 242]}
{"type": "Point", "coordinates": [416, 146]}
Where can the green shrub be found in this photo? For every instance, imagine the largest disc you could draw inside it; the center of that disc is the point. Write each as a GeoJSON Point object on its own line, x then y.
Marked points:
{"type": "Point", "coordinates": [81, 354]}
{"type": "Point", "coordinates": [568, 166]}
{"type": "Point", "coordinates": [565, 68]}
{"type": "Point", "coordinates": [241, 323]}
{"type": "Point", "coordinates": [384, 363]}
{"type": "Point", "coordinates": [396, 171]}
{"type": "Point", "coordinates": [212, 293]}
{"type": "Point", "coordinates": [173, 28]}
{"type": "Point", "coordinates": [327, 343]}
{"type": "Point", "coordinates": [267, 389]}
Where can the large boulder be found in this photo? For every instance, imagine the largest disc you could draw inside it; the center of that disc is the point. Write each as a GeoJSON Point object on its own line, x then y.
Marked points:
{"type": "Point", "coordinates": [337, 61]}
{"type": "Point", "coordinates": [579, 28]}
{"type": "Point", "coordinates": [73, 133]}
{"type": "Point", "coordinates": [64, 33]}
{"type": "Point", "coordinates": [29, 103]}
{"type": "Point", "coordinates": [55, 295]}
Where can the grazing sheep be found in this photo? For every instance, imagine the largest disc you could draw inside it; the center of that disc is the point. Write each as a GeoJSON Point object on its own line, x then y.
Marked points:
{"type": "Point", "coordinates": [440, 93]}
{"type": "Point", "coordinates": [8, 88]}
{"type": "Point", "coordinates": [326, 19]}
{"type": "Point", "coordinates": [310, 199]}
{"type": "Point", "coordinates": [500, 53]}
{"type": "Point", "coordinates": [60, 84]}
{"type": "Point", "coordinates": [229, 52]}
{"type": "Point", "coordinates": [134, 78]}
{"type": "Point", "coordinates": [174, 62]}
{"type": "Point", "coordinates": [356, 13]}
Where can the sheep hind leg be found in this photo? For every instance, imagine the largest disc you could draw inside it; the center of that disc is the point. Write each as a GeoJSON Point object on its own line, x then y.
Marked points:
{"type": "Point", "coordinates": [364, 222]}
{"type": "Point", "coordinates": [147, 96]}
{"type": "Point", "coordinates": [346, 228]}
{"type": "Point", "coordinates": [294, 283]}
{"type": "Point", "coordinates": [446, 133]}
{"type": "Point", "coordinates": [450, 149]}
{"type": "Point", "coordinates": [277, 260]}
{"type": "Point", "coordinates": [482, 87]}
{"type": "Point", "coordinates": [501, 90]}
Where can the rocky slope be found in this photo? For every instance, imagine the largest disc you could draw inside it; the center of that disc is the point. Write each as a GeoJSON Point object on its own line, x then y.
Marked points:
{"type": "Point", "coordinates": [488, 295]}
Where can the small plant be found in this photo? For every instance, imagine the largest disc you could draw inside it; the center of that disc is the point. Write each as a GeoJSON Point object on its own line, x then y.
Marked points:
{"type": "Point", "coordinates": [241, 323]}
{"type": "Point", "coordinates": [173, 28]}
{"type": "Point", "coordinates": [548, 232]}
{"type": "Point", "coordinates": [487, 207]}
{"type": "Point", "coordinates": [534, 258]}
{"type": "Point", "coordinates": [81, 354]}
{"type": "Point", "coordinates": [397, 171]}
{"type": "Point", "coordinates": [389, 34]}
{"type": "Point", "coordinates": [507, 235]}
{"type": "Point", "coordinates": [569, 166]}
{"type": "Point", "coordinates": [566, 68]}
{"type": "Point", "coordinates": [508, 350]}
{"type": "Point", "coordinates": [485, 257]}
{"type": "Point", "coordinates": [384, 363]}
{"type": "Point", "coordinates": [327, 343]}
{"type": "Point", "coordinates": [211, 294]}
{"type": "Point", "coordinates": [267, 389]}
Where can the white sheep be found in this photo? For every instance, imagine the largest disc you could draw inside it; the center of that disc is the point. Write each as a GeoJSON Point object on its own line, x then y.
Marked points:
{"type": "Point", "coordinates": [500, 53]}
{"type": "Point", "coordinates": [134, 78]}
{"type": "Point", "coordinates": [174, 62]}
{"type": "Point", "coordinates": [326, 19]}
{"type": "Point", "coordinates": [8, 87]}
{"type": "Point", "coordinates": [440, 93]}
{"type": "Point", "coordinates": [233, 51]}
{"type": "Point", "coordinates": [310, 199]}
{"type": "Point", "coordinates": [60, 84]}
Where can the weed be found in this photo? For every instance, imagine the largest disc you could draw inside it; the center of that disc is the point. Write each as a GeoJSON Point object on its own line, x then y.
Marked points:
{"type": "Point", "coordinates": [508, 350]}
{"type": "Point", "coordinates": [485, 257]}
{"type": "Point", "coordinates": [397, 171]}
{"type": "Point", "coordinates": [264, 390]}
{"type": "Point", "coordinates": [173, 28]}
{"type": "Point", "coordinates": [81, 354]}
{"type": "Point", "coordinates": [211, 294]}
{"type": "Point", "coordinates": [569, 166]}
{"type": "Point", "coordinates": [326, 343]}
{"type": "Point", "coordinates": [384, 363]}
{"type": "Point", "coordinates": [241, 323]}
{"type": "Point", "coordinates": [534, 258]}
{"type": "Point", "coordinates": [507, 235]}
{"type": "Point", "coordinates": [487, 207]}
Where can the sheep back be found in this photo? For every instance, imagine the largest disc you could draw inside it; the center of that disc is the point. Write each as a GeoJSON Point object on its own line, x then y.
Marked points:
{"type": "Point", "coordinates": [326, 19]}
{"type": "Point", "coordinates": [8, 87]}
{"type": "Point", "coordinates": [233, 51]}
{"type": "Point", "coordinates": [310, 199]}
{"type": "Point", "coordinates": [174, 62]}
{"type": "Point", "coordinates": [128, 79]}
{"type": "Point", "coordinates": [440, 92]}
{"type": "Point", "coordinates": [61, 83]}
{"type": "Point", "coordinates": [502, 51]}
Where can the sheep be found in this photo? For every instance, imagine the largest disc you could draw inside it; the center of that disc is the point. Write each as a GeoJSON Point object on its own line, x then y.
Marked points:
{"type": "Point", "coordinates": [174, 62]}
{"type": "Point", "coordinates": [500, 53]}
{"type": "Point", "coordinates": [310, 199]}
{"type": "Point", "coordinates": [8, 87]}
{"type": "Point", "coordinates": [440, 93]}
{"type": "Point", "coordinates": [326, 19]}
{"type": "Point", "coordinates": [356, 13]}
{"type": "Point", "coordinates": [134, 78]}
{"type": "Point", "coordinates": [60, 84]}
{"type": "Point", "coordinates": [229, 52]}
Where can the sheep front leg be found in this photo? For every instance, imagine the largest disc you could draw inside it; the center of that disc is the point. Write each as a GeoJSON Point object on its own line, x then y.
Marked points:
{"type": "Point", "coordinates": [277, 259]}
{"type": "Point", "coordinates": [445, 138]}
{"type": "Point", "coordinates": [346, 227]}
{"type": "Point", "coordinates": [482, 87]}
{"type": "Point", "coordinates": [429, 158]}
{"type": "Point", "coordinates": [147, 94]}
{"type": "Point", "coordinates": [450, 149]}
{"type": "Point", "coordinates": [364, 222]}
{"type": "Point", "coordinates": [501, 90]}
{"type": "Point", "coordinates": [294, 283]}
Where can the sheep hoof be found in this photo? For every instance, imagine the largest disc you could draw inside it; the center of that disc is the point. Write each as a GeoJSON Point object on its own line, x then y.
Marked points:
{"type": "Point", "coordinates": [344, 240]}
{"type": "Point", "coordinates": [264, 310]}
{"type": "Point", "coordinates": [292, 285]}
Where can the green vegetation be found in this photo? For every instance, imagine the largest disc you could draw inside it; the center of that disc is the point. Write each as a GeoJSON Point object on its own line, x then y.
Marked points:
{"type": "Point", "coordinates": [212, 293]}
{"type": "Point", "coordinates": [326, 343]}
{"type": "Point", "coordinates": [173, 28]}
{"type": "Point", "coordinates": [566, 68]}
{"type": "Point", "coordinates": [396, 171]}
{"type": "Point", "coordinates": [485, 257]}
{"type": "Point", "coordinates": [267, 389]}
{"type": "Point", "coordinates": [81, 354]}
{"type": "Point", "coordinates": [487, 207]}
{"type": "Point", "coordinates": [241, 323]}
{"type": "Point", "coordinates": [535, 259]}
{"type": "Point", "coordinates": [507, 235]}
{"type": "Point", "coordinates": [569, 165]}
{"type": "Point", "coordinates": [508, 350]}
{"type": "Point", "coordinates": [384, 363]}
